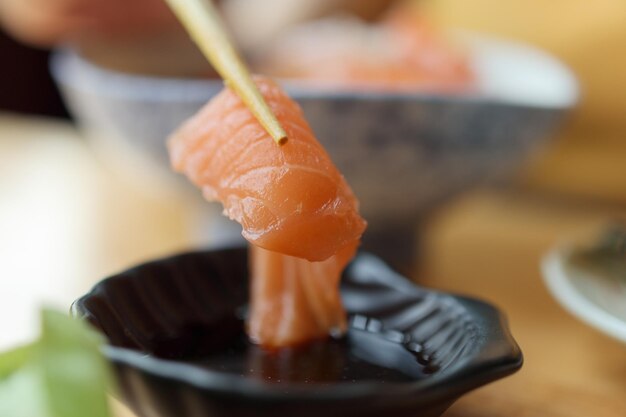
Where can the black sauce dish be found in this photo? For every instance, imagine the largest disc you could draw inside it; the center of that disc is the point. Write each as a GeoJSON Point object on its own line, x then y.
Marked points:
{"type": "Point", "coordinates": [176, 336]}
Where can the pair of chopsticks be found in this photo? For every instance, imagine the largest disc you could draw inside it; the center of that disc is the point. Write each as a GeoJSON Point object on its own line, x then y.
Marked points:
{"type": "Point", "coordinates": [203, 23]}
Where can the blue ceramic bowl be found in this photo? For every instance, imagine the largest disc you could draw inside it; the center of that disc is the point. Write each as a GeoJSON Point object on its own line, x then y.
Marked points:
{"type": "Point", "coordinates": [176, 339]}
{"type": "Point", "coordinates": [401, 153]}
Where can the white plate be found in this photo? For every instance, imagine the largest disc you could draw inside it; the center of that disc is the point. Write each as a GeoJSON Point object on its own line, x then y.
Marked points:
{"type": "Point", "coordinates": [598, 301]}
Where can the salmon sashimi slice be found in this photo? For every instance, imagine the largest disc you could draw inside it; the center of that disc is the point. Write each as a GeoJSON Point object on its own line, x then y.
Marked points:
{"type": "Point", "coordinates": [403, 52]}
{"type": "Point", "coordinates": [421, 45]}
{"type": "Point", "coordinates": [309, 307]}
{"type": "Point", "coordinates": [289, 199]}
{"type": "Point", "coordinates": [294, 206]}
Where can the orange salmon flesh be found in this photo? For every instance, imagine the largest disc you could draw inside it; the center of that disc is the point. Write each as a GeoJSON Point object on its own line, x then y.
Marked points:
{"type": "Point", "coordinates": [295, 208]}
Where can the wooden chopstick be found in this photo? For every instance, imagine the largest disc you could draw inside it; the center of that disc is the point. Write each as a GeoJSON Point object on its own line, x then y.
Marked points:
{"type": "Point", "coordinates": [204, 25]}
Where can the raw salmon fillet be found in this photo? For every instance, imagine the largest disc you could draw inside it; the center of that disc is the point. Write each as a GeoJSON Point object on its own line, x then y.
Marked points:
{"type": "Point", "coordinates": [308, 306]}
{"type": "Point", "coordinates": [403, 52]}
{"type": "Point", "coordinates": [292, 202]}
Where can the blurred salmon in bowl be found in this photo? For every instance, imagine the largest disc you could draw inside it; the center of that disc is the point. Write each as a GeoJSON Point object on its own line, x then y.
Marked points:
{"type": "Point", "coordinates": [402, 52]}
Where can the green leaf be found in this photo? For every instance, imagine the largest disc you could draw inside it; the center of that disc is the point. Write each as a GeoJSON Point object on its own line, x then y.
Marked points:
{"type": "Point", "coordinates": [61, 375]}
{"type": "Point", "coordinates": [76, 376]}
{"type": "Point", "coordinates": [22, 394]}
{"type": "Point", "coordinates": [14, 359]}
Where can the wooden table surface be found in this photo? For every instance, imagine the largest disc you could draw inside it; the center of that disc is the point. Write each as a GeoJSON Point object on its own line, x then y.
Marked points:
{"type": "Point", "coordinates": [59, 203]}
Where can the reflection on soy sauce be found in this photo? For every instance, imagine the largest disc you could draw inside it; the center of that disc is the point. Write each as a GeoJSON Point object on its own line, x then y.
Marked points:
{"type": "Point", "coordinates": [321, 361]}
{"type": "Point", "coordinates": [358, 356]}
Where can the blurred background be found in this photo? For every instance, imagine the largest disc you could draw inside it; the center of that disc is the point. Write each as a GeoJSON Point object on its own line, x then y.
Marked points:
{"type": "Point", "coordinates": [503, 120]}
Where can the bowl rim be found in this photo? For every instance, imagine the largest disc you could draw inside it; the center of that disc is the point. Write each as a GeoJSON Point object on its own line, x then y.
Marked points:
{"type": "Point", "coordinates": [68, 67]}
{"type": "Point", "coordinates": [496, 355]}
{"type": "Point", "coordinates": [556, 277]}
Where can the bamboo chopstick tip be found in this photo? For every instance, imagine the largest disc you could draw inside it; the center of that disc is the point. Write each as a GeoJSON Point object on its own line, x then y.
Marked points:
{"type": "Point", "coordinates": [202, 22]}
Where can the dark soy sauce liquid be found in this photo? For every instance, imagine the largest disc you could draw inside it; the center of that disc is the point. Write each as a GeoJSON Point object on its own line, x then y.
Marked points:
{"type": "Point", "coordinates": [360, 355]}
{"type": "Point", "coordinates": [329, 361]}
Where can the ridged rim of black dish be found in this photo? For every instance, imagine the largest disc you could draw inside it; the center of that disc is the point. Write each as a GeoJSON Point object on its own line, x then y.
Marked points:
{"type": "Point", "coordinates": [495, 355]}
